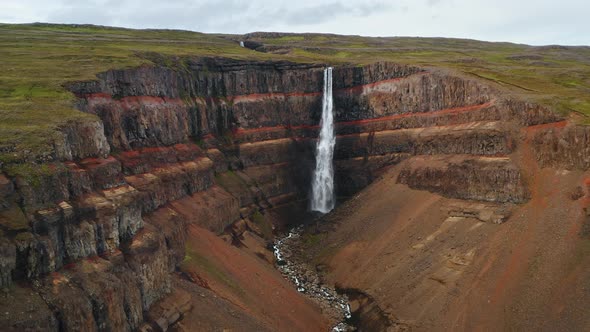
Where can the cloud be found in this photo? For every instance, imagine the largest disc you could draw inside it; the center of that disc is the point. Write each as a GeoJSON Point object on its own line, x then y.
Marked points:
{"type": "Point", "coordinates": [319, 13]}
{"type": "Point", "coordinates": [528, 21]}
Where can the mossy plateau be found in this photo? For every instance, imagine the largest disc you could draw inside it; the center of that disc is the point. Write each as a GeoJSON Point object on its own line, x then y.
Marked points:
{"type": "Point", "coordinates": [36, 60]}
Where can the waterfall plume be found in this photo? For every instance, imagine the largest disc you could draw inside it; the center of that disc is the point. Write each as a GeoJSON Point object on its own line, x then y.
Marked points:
{"type": "Point", "coordinates": [322, 199]}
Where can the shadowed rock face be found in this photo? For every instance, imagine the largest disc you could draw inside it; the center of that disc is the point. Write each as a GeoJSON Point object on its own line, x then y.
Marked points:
{"type": "Point", "coordinates": [214, 142]}
{"type": "Point", "coordinates": [481, 179]}
{"type": "Point", "coordinates": [562, 146]}
{"type": "Point", "coordinates": [159, 106]}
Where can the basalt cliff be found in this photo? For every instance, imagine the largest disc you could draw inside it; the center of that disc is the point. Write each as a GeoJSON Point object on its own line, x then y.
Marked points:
{"type": "Point", "coordinates": [160, 213]}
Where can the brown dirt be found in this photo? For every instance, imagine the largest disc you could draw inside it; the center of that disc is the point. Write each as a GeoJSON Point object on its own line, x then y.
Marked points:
{"type": "Point", "coordinates": [209, 312]}
{"type": "Point", "coordinates": [250, 284]}
{"type": "Point", "coordinates": [434, 272]}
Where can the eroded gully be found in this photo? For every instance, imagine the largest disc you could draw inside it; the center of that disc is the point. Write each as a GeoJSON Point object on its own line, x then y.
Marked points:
{"type": "Point", "coordinates": [307, 281]}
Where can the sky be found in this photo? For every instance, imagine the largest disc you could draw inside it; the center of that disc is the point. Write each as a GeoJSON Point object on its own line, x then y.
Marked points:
{"type": "Point", "coordinates": [534, 22]}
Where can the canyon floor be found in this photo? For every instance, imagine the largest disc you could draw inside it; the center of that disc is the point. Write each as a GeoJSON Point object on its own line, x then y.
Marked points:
{"type": "Point", "coordinates": [423, 267]}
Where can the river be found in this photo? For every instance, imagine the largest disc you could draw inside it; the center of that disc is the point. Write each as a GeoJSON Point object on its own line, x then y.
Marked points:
{"type": "Point", "coordinates": [307, 281]}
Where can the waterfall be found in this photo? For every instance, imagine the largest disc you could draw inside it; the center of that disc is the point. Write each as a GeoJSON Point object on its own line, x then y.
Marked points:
{"type": "Point", "coordinates": [322, 199]}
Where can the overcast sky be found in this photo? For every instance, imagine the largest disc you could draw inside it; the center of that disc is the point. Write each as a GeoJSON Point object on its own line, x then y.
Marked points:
{"type": "Point", "coordinates": [535, 22]}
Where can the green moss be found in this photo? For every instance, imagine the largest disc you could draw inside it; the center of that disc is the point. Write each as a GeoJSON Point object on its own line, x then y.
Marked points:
{"type": "Point", "coordinates": [227, 138]}
{"type": "Point", "coordinates": [38, 59]}
{"type": "Point", "coordinates": [230, 181]}
{"type": "Point", "coordinates": [194, 260]}
{"type": "Point", "coordinates": [33, 174]}
{"type": "Point", "coordinates": [287, 39]}
{"type": "Point", "coordinates": [227, 177]}
{"type": "Point", "coordinates": [556, 74]}
{"type": "Point", "coordinates": [257, 217]}
{"type": "Point", "coordinates": [13, 220]}
{"type": "Point", "coordinates": [264, 224]}
{"type": "Point", "coordinates": [313, 239]}
{"type": "Point", "coordinates": [24, 237]}
{"type": "Point", "coordinates": [201, 143]}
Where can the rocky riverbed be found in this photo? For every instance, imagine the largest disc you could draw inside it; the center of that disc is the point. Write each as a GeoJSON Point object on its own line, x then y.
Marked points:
{"type": "Point", "coordinates": [308, 281]}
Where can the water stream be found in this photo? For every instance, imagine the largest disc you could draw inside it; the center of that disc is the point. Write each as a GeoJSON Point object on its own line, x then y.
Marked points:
{"type": "Point", "coordinates": [309, 282]}
{"type": "Point", "coordinates": [322, 198]}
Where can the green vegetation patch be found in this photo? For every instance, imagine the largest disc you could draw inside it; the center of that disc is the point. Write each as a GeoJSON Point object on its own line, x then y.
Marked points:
{"type": "Point", "coordinates": [555, 76]}
{"type": "Point", "coordinates": [313, 239]}
{"type": "Point", "coordinates": [13, 220]}
{"type": "Point", "coordinates": [231, 182]}
{"type": "Point", "coordinates": [264, 224]}
{"type": "Point", "coordinates": [34, 174]}
{"type": "Point", "coordinates": [194, 260]}
{"type": "Point", "coordinates": [36, 60]}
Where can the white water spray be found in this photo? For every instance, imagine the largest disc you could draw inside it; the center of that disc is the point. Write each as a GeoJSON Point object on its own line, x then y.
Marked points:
{"type": "Point", "coordinates": [322, 199]}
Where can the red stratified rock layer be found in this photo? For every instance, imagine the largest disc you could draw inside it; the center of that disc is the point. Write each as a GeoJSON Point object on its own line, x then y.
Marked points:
{"type": "Point", "coordinates": [343, 124]}
{"type": "Point", "coordinates": [247, 97]}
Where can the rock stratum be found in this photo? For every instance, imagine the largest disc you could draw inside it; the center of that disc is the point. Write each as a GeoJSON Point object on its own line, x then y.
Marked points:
{"type": "Point", "coordinates": [159, 214]}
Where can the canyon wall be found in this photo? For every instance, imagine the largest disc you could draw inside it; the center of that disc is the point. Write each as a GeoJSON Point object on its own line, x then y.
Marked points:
{"type": "Point", "coordinates": [211, 142]}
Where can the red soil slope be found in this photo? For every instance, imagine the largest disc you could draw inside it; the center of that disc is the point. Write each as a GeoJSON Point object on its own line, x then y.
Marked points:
{"type": "Point", "coordinates": [249, 283]}
{"type": "Point", "coordinates": [428, 270]}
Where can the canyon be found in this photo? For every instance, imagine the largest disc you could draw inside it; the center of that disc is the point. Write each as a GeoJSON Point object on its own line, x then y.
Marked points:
{"type": "Point", "coordinates": [460, 206]}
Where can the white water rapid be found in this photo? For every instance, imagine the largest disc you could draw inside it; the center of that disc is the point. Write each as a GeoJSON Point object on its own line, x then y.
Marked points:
{"type": "Point", "coordinates": [322, 196]}
{"type": "Point", "coordinates": [308, 281]}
